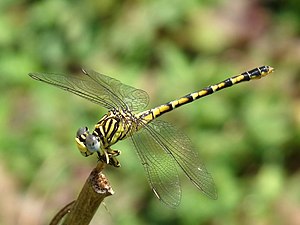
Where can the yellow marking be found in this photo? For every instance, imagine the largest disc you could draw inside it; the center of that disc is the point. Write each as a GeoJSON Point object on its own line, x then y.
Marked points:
{"type": "Point", "coordinates": [183, 100]}
{"type": "Point", "coordinates": [81, 147]}
{"type": "Point", "coordinates": [106, 127]}
{"type": "Point", "coordinates": [83, 137]}
{"type": "Point", "coordinates": [101, 120]}
{"type": "Point", "coordinates": [214, 87]}
{"type": "Point", "coordinates": [201, 93]}
{"type": "Point", "coordinates": [256, 77]}
{"type": "Point", "coordinates": [271, 69]}
{"type": "Point", "coordinates": [148, 118]}
{"type": "Point", "coordinates": [174, 103]}
{"type": "Point", "coordinates": [195, 95]}
{"type": "Point", "coordinates": [221, 85]}
{"type": "Point", "coordinates": [157, 111]}
{"type": "Point", "coordinates": [111, 127]}
{"type": "Point", "coordinates": [101, 129]}
{"type": "Point", "coordinates": [237, 79]}
{"type": "Point", "coordinates": [163, 108]}
{"type": "Point", "coordinates": [259, 71]}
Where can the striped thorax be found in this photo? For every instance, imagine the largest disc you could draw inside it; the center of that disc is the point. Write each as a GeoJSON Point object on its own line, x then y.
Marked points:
{"type": "Point", "coordinates": [116, 125]}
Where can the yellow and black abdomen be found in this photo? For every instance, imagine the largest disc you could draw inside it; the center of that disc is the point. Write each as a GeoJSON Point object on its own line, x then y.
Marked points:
{"type": "Point", "coordinates": [256, 73]}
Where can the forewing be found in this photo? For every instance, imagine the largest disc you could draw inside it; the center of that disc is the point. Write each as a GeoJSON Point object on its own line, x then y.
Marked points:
{"type": "Point", "coordinates": [159, 166]}
{"type": "Point", "coordinates": [100, 89]}
{"type": "Point", "coordinates": [177, 144]}
{"type": "Point", "coordinates": [135, 99]}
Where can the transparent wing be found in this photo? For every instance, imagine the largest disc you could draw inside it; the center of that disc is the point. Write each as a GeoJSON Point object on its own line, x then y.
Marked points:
{"type": "Point", "coordinates": [179, 146]}
{"type": "Point", "coordinates": [98, 88]}
{"type": "Point", "coordinates": [135, 99]}
{"type": "Point", "coordinates": [159, 166]}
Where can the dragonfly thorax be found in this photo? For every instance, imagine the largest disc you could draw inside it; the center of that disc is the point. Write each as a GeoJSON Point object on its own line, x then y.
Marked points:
{"type": "Point", "coordinates": [114, 126]}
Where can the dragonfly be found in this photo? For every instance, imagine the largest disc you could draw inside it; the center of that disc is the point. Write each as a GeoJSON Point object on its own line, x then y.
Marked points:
{"type": "Point", "coordinates": [161, 148]}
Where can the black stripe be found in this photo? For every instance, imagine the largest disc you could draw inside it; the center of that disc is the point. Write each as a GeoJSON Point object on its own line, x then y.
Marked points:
{"type": "Point", "coordinates": [123, 135]}
{"type": "Point", "coordinates": [189, 97]}
{"type": "Point", "coordinates": [169, 104]}
{"type": "Point", "coordinates": [153, 117]}
{"type": "Point", "coordinates": [255, 72]}
{"type": "Point", "coordinates": [264, 69]}
{"type": "Point", "coordinates": [97, 132]}
{"type": "Point", "coordinates": [82, 138]}
{"type": "Point", "coordinates": [247, 75]}
{"type": "Point", "coordinates": [103, 118]}
{"type": "Point", "coordinates": [228, 83]}
{"type": "Point", "coordinates": [114, 130]}
{"type": "Point", "coordinates": [107, 125]}
{"type": "Point", "coordinates": [208, 90]}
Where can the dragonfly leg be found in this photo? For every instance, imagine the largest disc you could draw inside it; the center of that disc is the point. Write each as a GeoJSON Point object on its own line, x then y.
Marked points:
{"type": "Point", "coordinates": [113, 153]}
{"type": "Point", "coordinates": [114, 162]}
{"type": "Point", "coordinates": [103, 157]}
{"type": "Point", "coordinates": [109, 157]}
{"type": "Point", "coordinates": [113, 157]}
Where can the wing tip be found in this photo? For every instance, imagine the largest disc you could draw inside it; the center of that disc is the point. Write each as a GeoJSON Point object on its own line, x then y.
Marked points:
{"type": "Point", "coordinates": [210, 191]}
{"type": "Point", "coordinates": [83, 70]}
{"type": "Point", "coordinates": [34, 76]}
{"type": "Point", "coordinates": [87, 71]}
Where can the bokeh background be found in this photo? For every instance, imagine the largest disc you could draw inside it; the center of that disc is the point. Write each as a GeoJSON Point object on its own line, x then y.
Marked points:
{"type": "Point", "coordinates": [248, 136]}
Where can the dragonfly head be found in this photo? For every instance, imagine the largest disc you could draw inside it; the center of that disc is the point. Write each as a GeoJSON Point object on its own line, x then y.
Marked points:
{"type": "Point", "coordinates": [87, 143]}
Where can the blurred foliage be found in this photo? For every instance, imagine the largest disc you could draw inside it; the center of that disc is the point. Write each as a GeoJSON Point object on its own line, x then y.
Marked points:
{"type": "Point", "coordinates": [248, 135]}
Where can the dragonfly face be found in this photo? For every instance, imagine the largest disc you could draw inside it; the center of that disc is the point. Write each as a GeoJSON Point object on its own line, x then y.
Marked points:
{"type": "Point", "coordinates": [161, 147]}
{"type": "Point", "coordinates": [116, 125]}
{"type": "Point", "coordinates": [87, 143]}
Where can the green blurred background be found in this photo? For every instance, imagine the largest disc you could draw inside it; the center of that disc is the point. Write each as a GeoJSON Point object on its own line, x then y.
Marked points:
{"type": "Point", "coordinates": [248, 136]}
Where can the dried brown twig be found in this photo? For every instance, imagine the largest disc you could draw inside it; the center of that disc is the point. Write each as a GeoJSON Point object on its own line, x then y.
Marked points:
{"type": "Point", "coordinates": [81, 211]}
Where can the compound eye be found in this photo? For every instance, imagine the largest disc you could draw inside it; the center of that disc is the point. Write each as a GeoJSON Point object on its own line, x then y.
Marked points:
{"type": "Point", "coordinates": [81, 131]}
{"type": "Point", "coordinates": [92, 143]}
